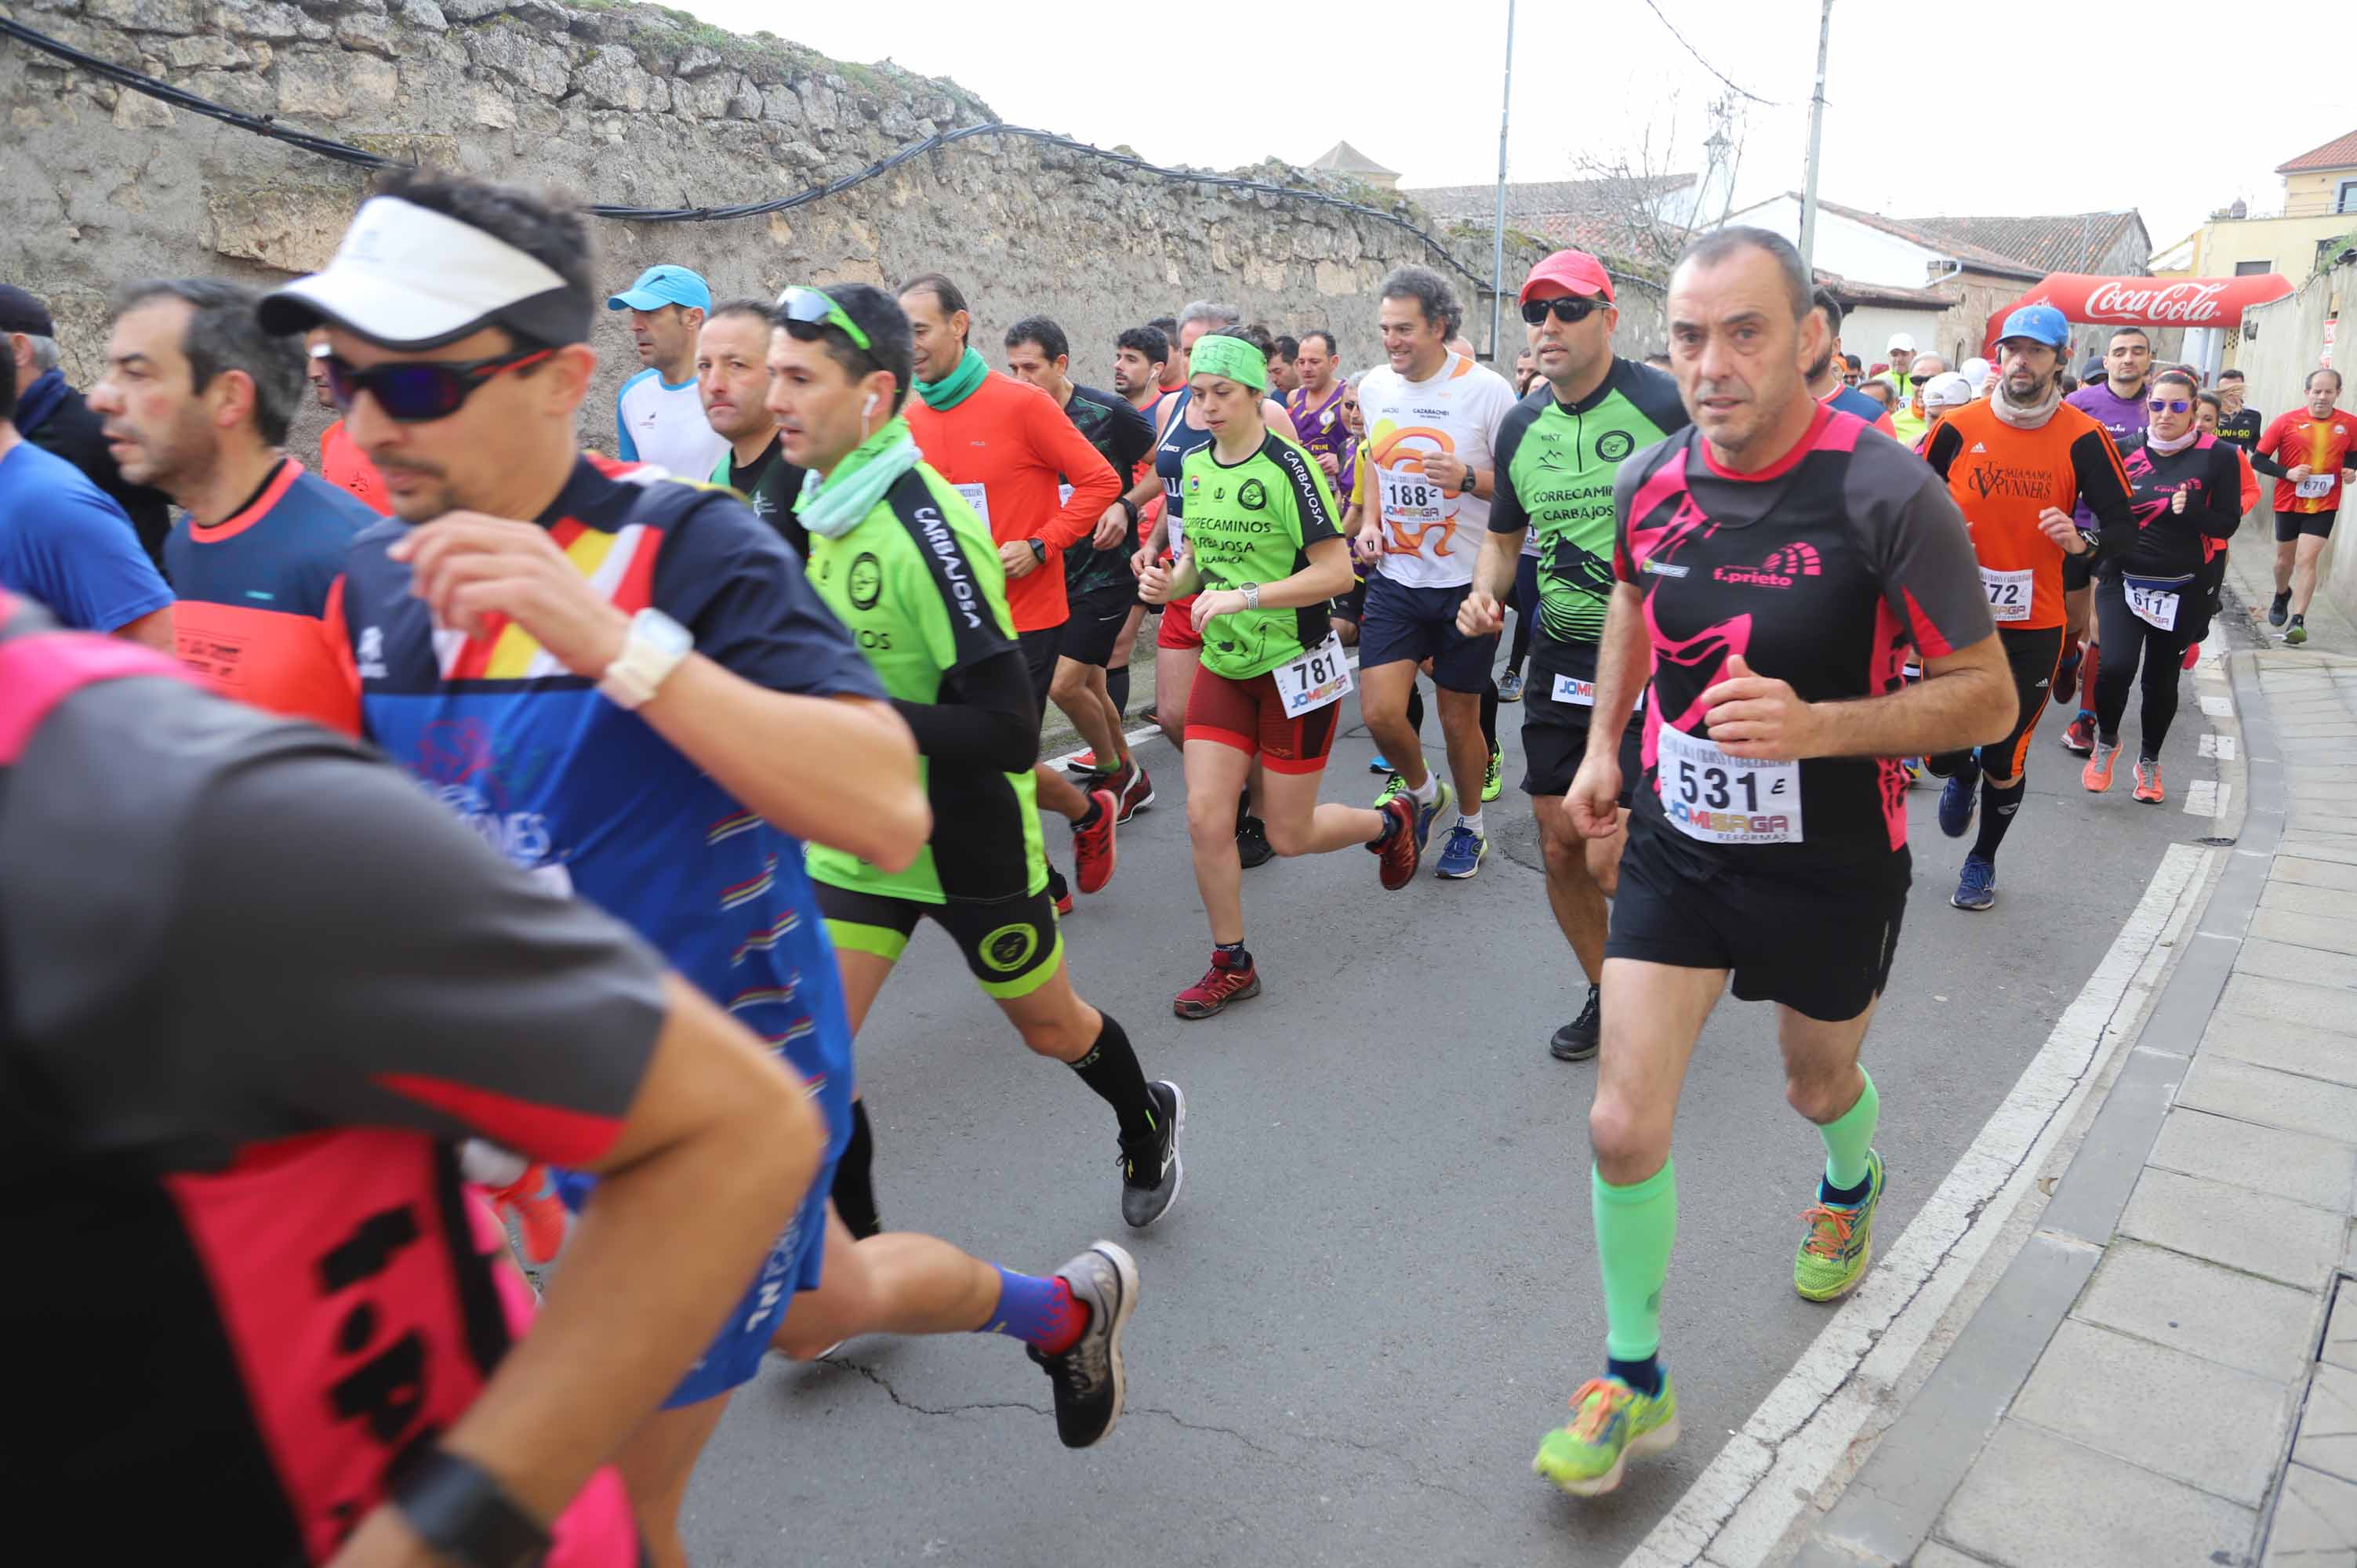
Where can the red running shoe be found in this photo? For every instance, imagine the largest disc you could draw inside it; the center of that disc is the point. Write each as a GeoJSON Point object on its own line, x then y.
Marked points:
{"type": "Point", "coordinates": [1093, 847]}
{"type": "Point", "coordinates": [539, 1214]}
{"type": "Point", "coordinates": [1137, 792]}
{"type": "Point", "coordinates": [1401, 853]}
{"type": "Point", "coordinates": [2079, 736]}
{"type": "Point", "coordinates": [1226, 981]}
{"type": "Point", "coordinates": [2192, 652]}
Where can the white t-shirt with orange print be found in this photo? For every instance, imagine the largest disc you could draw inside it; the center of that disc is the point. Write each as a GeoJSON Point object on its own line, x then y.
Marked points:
{"type": "Point", "coordinates": [1430, 536]}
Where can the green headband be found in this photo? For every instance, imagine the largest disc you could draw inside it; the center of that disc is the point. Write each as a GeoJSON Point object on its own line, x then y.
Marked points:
{"type": "Point", "coordinates": [1232, 358]}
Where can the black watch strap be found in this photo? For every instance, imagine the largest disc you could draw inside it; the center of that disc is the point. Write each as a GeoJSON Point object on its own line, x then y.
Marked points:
{"type": "Point", "coordinates": [458, 1508]}
{"type": "Point", "coordinates": [1130, 506]}
{"type": "Point", "coordinates": [1038, 549]}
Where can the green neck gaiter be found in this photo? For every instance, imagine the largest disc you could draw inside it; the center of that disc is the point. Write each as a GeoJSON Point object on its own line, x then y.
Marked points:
{"type": "Point", "coordinates": [954, 389]}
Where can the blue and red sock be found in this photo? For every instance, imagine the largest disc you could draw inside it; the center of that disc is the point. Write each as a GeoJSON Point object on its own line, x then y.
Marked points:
{"type": "Point", "coordinates": [1039, 1311]}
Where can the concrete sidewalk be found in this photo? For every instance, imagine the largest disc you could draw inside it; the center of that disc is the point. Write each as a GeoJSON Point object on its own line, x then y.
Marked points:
{"type": "Point", "coordinates": [2166, 1372]}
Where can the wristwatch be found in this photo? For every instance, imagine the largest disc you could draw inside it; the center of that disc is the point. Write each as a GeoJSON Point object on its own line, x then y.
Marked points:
{"type": "Point", "coordinates": [1038, 549]}
{"type": "Point", "coordinates": [1128, 506]}
{"type": "Point", "coordinates": [1251, 591]}
{"type": "Point", "coordinates": [1465, 485]}
{"type": "Point", "coordinates": [653, 649]}
{"type": "Point", "coordinates": [457, 1508]}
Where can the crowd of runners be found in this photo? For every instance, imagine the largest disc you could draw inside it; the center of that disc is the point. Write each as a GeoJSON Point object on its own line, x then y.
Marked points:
{"type": "Point", "coordinates": [282, 1042]}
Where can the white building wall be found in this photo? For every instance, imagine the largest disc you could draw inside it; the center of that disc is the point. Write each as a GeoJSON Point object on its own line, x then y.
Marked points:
{"type": "Point", "coordinates": [1846, 247]}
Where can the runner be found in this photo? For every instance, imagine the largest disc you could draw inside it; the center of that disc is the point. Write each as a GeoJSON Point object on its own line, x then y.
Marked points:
{"type": "Point", "coordinates": [2116, 399]}
{"type": "Point", "coordinates": [1432, 419]}
{"type": "Point", "coordinates": [1139, 355]}
{"type": "Point", "coordinates": [2307, 449]}
{"type": "Point", "coordinates": [2018, 465]}
{"type": "Point", "coordinates": [341, 462]}
{"type": "Point", "coordinates": [230, 1132]}
{"type": "Point", "coordinates": [1264, 557]}
{"type": "Point", "coordinates": [1348, 610]}
{"type": "Point", "coordinates": [2208, 410]}
{"type": "Point", "coordinates": [542, 678]}
{"type": "Point", "coordinates": [1283, 379]}
{"type": "Point", "coordinates": [2237, 421]}
{"type": "Point", "coordinates": [1909, 423]}
{"type": "Point", "coordinates": [1942, 395]}
{"type": "Point", "coordinates": [65, 544]}
{"type": "Point", "coordinates": [897, 554]}
{"type": "Point", "coordinates": [1900, 353]}
{"type": "Point", "coordinates": [1315, 405]}
{"type": "Point", "coordinates": [198, 400]}
{"type": "Point", "coordinates": [2151, 600]}
{"type": "Point", "coordinates": [56, 418]}
{"type": "Point", "coordinates": [1558, 454]}
{"type": "Point", "coordinates": [1174, 370]}
{"type": "Point", "coordinates": [732, 377]}
{"type": "Point", "coordinates": [1100, 588]}
{"type": "Point", "coordinates": [1006, 448]}
{"type": "Point", "coordinates": [1770, 561]}
{"type": "Point", "coordinates": [1827, 379]}
{"type": "Point", "coordinates": [657, 415]}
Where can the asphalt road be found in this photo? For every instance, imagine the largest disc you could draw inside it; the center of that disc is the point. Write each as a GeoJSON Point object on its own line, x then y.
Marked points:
{"type": "Point", "coordinates": [1379, 1284]}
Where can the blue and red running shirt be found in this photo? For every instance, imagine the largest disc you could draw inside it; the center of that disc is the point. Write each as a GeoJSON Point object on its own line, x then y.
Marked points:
{"type": "Point", "coordinates": [1821, 570]}
{"type": "Point", "coordinates": [258, 591]}
{"type": "Point", "coordinates": [254, 991]}
{"type": "Point", "coordinates": [589, 798]}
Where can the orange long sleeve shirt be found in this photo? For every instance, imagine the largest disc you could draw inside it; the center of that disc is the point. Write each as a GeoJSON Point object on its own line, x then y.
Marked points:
{"type": "Point", "coordinates": [1007, 448]}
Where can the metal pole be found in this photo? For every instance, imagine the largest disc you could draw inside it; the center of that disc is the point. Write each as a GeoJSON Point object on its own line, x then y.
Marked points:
{"type": "Point", "coordinates": [1816, 138]}
{"type": "Point", "coordinates": [1497, 254]}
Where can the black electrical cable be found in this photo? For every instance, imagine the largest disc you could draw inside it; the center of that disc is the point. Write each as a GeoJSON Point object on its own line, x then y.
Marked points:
{"type": "Point", "coordinates": [343, 152]}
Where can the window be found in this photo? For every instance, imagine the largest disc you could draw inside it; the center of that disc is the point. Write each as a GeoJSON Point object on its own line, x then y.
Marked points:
{"type": "Point", "coordinates": [2345, 197]}
{"type": "Point", "coordinates": [2253, 269]}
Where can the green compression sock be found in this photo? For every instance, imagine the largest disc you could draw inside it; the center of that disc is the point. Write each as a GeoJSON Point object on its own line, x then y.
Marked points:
{"type": "Point", "coordinates": [1635, 1227]}
{"type": "Point", "coordinates": [1848, 1137]}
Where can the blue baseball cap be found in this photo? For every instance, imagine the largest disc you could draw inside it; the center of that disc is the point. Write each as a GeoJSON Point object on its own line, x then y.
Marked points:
{"type": "Point", "coordinates": [2039, 324]}
{"type": "Point", "coordinates": [659, 286]}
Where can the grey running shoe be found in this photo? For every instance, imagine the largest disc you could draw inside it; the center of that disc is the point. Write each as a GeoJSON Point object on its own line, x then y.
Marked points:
{"type": "Point", "coordinates": [1150, 1167]}
{"type": "Point", "coordinates": [1088, 1378]}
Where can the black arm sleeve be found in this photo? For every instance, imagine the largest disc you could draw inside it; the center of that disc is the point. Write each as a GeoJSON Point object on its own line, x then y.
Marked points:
{"type": "Point", "coordinates": [985, 720]}
{"type": "Point", "coordinates": [1946, 441]}
{"type": "Point", "coordinates": [2102, 485]}
{"type": "Point", "coordinates": [2266, 465]}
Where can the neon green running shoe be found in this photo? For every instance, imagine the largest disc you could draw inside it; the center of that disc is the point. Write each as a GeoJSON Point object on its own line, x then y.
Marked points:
{"type": "Point", "coordinates": [1493, 783]}
{"type": "Point", "coordinates": [1840, 1242]}
{"type": "Point", "coordinates": [1609, 1421]}
{"type": "Point", "coordinates": [1398, 786]}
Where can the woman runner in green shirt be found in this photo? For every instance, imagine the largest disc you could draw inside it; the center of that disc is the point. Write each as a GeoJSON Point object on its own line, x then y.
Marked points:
{"type": "Point", "coordinates": [1264, 556]}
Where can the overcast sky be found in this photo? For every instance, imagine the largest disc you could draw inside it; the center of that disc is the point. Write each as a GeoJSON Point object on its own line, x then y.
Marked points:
{"type": "Point", "coordinates": [1991, 106]}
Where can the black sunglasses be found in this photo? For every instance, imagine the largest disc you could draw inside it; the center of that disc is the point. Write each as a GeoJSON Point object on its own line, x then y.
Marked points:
{"type": "Point", "coordinates": [1568, 308]}
{"type": "Point", "coordinates": [417, 392]}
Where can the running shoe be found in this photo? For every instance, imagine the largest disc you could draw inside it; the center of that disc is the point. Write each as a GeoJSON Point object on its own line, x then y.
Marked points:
{"type": "Point", "coordinates": [1959, 798]}
{"type": "Point", "coordinates": [531, 1202]}
{"type": "Point", "coordinates": [1461, 857]}
{"type": "Point", "coordinates": [1136, 793]}
{"type": "Point", "coordinates": [1150, 1167]}
{"type": "Point", "coordinates": [1402, 851]}
{"type": "Point", "coordinates": [1093, 851]}
{"type": "Point", "coordinates": [1226, 981]}
{"type": "Point", "coordinates": [2192, 656]}
{"type": "Point", "coordinates": [1914, 766]}
{"type": "Point", "coordinates": [1493, 782]}
{"type": "Point", "coordinates": [2297, 633]}
{"type": "Point", "coordinates": [2278, 607]}
{"type": "Point", "coordinates": [1576, 1041]}
{"type": "Point", "coordinates": [1084, 765]}
{"type": "Point", "coordinates": [2065, 688]}
{"type": "Point", "coordinates": [2079, 734]}
{"type": "Point", "coordinates": [1088, 1378]}
{"type": "Point", "coordinates": [1977, 888]}
{"type": "Point", "coordinates": [1840, 1242]}
{"type": "Point", "coordinates": [2097, 775]}
{"type": "Point", "coordinates": [1510, 686]}
{"type": "Point", "coordinates": [2147, 782]}
{"type": "Point", "coordinates": [1376, 764]}
{"type": "Point", "coordinates": [1609, 1421]}
{"type": "Point", "coordinates": [1059, 891]}
{"type": "Point", "coordinates": [1253, 847]}
{"type": "Point", "coordinates": [1397, 786]}
{"type": "Point", "coordinates": [1443, 797]}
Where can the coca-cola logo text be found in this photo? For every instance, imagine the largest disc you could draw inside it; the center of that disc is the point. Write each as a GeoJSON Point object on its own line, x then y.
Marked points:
{"type": "Point", "coordinates": [2191, 304]}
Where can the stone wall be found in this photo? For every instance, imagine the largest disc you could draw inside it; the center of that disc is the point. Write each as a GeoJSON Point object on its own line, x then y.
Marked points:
{"type": "Point", "coordinates": [641, 106]}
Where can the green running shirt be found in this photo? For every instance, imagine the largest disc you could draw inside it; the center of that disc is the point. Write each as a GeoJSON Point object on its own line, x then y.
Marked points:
{"type": "Point", "coordinates": [1253, 522]}
{"type": "Point", "coordinates": [1557, 462]}
{"type": "Point", "coordinates": [918, 584]}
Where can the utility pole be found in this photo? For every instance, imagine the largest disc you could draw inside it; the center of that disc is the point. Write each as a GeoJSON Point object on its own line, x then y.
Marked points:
{"type": "Point", "coordinates": [1497, 254]}
{"type": "Point", "coordinates": [1816, 140]}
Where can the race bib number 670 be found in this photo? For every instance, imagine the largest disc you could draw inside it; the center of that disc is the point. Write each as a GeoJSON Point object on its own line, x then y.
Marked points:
{"type": "Point", "coordinates": [1718, 799]}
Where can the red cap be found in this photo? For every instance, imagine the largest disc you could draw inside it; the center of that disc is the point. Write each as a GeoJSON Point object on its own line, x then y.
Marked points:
{"type": "Point", "coordinates": [1576, 270]}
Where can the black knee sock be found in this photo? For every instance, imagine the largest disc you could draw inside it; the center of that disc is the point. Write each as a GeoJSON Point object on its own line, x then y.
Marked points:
{"type": "Point", "coordinates": [1111, 1068]}
{"type": "Point", "coordinates": [1490, 714]}
{"type": "Point", "coordinates": [1998, 807]}
{"type": "Point", "coordinates": [855, 1178]}
{"type": "Point", "coordinates": [1117, 688]}
{"type": "Point", "coordinates": [1415, 710]}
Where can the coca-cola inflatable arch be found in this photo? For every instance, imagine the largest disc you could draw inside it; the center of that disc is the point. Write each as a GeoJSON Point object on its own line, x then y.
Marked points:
{"type": "Point", "coordinates": [2145, 301]}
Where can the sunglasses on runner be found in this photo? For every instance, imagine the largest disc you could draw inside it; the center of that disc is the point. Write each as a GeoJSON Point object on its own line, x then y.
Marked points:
{"type": "Point", "coordinates": [1567, 309]}
{"type": "Point", "coordinates": [812, 308]}
{"type": "Point", "coordinates": [2169, 405]}
{"type": "Point", "coordinates": [417, 392]}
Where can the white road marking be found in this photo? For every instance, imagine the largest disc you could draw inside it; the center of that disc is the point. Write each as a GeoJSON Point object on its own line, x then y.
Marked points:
{"type": "Point", "coordinates": [2218, 707]}
{"type": "Point", "coordinates": [2222, 747]}
{"type": "Point", "coordinates": [2206, 798]}
{"type": "Point", "coordinates": [1743, 1504]}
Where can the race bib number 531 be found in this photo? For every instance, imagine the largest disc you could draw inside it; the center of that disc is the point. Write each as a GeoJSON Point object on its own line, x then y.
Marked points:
{"type": "Point", "coordinates": [1718, 799]}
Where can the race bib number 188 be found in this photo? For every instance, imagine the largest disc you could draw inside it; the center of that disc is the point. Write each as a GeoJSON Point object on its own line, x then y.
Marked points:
{"type": "Point", "coordinates": [1718, 799]}
{"type": "Point", "coordinates": [1411, 498]}
{"type": "Point", "coordinates": [1319, 677]}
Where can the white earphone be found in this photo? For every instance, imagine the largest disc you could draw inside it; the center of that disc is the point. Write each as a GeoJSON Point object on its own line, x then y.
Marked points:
{"type": "Point", "coordinates": [869, 407]}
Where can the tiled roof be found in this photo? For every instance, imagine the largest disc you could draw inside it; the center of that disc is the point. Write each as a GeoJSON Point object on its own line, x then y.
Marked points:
{"type": "Point", "coordinates": [2338, 153]}
{"type": "Point", "coordinates": [1976, 258]}
{"type": "Point", "coordinates": [2067, 243]}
